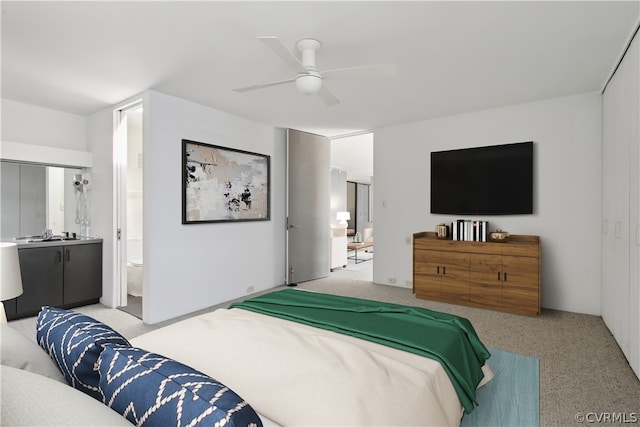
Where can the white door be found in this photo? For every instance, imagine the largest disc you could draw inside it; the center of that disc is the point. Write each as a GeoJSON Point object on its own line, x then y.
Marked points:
{"type": "Point", "coordinates": [616, 188]}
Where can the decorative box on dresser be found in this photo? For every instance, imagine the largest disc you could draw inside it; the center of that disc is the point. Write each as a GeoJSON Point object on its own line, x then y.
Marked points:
{"type": "Point", "coordinates": [501, 276]}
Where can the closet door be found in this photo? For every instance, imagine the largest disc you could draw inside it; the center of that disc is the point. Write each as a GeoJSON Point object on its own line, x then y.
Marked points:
{"type": "Point", "coordinates": [621, 205]}
{"type": "Point", "coordinates": [615, 197]}
{"type": "Point", "coordinates": [633, 79]}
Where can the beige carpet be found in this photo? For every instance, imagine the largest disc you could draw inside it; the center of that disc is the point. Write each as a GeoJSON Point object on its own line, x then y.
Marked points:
{"type": "Point", "coordinates": [582, 369]}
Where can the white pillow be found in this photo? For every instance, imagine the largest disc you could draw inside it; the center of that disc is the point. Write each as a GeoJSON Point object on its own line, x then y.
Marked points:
{"type": "Point", "coordinates": [30, 399]}
{"type": "Point", "coordinates": [18, 351]}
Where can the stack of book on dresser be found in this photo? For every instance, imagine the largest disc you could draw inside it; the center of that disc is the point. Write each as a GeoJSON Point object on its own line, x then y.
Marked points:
{"type": "Point", "coordinates": [470, 230]}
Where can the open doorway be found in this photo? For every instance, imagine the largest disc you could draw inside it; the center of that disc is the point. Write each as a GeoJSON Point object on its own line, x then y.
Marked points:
{"type": "Point", "coordinates": [130, 212]}
{"type": "Point", "coordinates": [352, 197]}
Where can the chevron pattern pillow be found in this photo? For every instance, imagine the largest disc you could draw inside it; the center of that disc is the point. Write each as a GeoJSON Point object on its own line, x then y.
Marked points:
{"type": "Point", "coordinates": [150, 389]}
{"type": "Point", "coordinates": [74, 341]}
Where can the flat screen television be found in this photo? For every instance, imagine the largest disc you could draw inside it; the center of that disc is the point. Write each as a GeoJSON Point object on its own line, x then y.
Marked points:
{"type": "Point", "coordinates": [493, 180]}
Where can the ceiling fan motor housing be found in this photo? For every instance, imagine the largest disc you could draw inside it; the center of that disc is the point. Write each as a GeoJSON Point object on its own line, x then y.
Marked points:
{"type": "Point", "coordinates": [308, 48]}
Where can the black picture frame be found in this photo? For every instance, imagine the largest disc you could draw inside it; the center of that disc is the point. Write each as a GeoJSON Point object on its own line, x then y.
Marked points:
{"type": "Point", "coordinates": [222, 184]}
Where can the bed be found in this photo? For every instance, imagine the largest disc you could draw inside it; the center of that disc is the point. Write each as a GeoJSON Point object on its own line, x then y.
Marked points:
{"type": "Point", "coordinates": [301, 369]}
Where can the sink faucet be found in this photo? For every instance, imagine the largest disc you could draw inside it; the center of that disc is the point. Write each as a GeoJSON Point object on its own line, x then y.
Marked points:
{"type": "Point", "coordinates": [47, 233]}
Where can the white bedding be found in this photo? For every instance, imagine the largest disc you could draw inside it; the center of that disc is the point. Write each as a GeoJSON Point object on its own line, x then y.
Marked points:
{"type": "Point", "coordinates": [298, 375]}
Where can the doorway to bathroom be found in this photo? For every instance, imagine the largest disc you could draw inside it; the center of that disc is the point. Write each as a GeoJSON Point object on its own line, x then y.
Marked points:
{"type": "Point", "coordinates": [129, 169]}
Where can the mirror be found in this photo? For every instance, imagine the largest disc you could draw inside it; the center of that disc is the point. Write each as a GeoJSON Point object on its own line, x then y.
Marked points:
{"type": "Point", "coordinates": [37, 197]}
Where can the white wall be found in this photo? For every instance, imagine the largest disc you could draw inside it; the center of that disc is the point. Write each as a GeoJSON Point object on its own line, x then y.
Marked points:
{"type": "Point", "coordinates": [194, 266]}
{"type": "Point", "coordinates": [354, 154]}
{"type": "Point", "coordinates": [567, 197]}
{"type": "Point", "coordinates": [28, 124]}
{"type": "Point", "coordinates": [190, 267]}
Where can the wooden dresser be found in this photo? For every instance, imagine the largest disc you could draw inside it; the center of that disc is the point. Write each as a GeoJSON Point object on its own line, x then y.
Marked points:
{"type": "Point", "coordinates": [496, 276]}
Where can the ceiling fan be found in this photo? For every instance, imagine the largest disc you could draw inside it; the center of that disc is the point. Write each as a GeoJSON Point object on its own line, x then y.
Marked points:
{"type": "Point", "coordinates": [309, 79]}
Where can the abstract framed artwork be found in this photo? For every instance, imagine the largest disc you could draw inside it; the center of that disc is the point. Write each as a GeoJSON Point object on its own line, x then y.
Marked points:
{"type": "Point", "coordinates": [221, 184]}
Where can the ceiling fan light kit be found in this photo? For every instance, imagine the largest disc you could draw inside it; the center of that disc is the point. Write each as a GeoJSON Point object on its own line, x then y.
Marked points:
{"type": "Point", "coordinates": [309, 83]}
{"type": "Point", "coordinates": [308, 79]}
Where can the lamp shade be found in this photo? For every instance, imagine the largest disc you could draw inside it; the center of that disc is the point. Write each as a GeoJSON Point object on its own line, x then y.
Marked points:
{"type": "Point", "coordinates": [344, 216]}
{"type": "Point", "coordinates": [10, 278]}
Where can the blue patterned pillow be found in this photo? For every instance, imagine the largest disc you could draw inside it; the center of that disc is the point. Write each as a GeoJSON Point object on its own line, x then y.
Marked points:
{"type": "Point", "coordinates": [153, 390]}
{"type": "Point", "coordinates": [74, 341]}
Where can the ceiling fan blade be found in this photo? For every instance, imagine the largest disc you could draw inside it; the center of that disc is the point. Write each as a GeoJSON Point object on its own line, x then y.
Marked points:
{"type": "Point", "coordinates": [364, 70]}
{"type": "Point", "coordinates": [263, 85]}
{"type": "Point", "coordinates": [278, 48]}
{"type": "Point", "coordinates": [327, 97]}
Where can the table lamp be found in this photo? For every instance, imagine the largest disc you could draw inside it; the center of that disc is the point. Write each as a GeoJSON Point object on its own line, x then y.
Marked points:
{"type": "Point", "coordinates": [343, 217]}
{"type": "Point", "coordinates": [10, 277]}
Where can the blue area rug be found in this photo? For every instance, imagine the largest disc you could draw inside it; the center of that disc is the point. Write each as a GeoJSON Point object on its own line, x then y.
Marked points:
{"type": "Point", "coordinates": [512, 397]}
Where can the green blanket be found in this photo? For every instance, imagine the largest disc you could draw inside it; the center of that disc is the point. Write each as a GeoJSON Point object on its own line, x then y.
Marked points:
{"type": "Point", "coordinates": [449, 339]}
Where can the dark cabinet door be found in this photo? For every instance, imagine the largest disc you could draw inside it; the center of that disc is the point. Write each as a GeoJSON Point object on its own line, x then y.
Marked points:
{"type": "Point", "coordinates": [41, 270]}
{"type": "Point", "coordinates": [10, 309]}
{"type": "Point", "coordinates": [82, 273]}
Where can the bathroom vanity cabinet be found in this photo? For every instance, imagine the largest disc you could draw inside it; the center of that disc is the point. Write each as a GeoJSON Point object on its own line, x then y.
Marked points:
{"type": "Point", "coordinates": [59, 274]}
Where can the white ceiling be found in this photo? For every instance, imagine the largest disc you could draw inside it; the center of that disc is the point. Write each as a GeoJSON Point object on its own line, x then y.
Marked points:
{"type": "Point", "coordinates": [452, 57]}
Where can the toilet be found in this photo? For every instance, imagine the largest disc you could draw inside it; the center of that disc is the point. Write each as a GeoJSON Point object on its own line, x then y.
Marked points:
{"type": "Point", "coordinates": [134, 278]}
{"type": "Point", "coordinates": [134, 267]}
